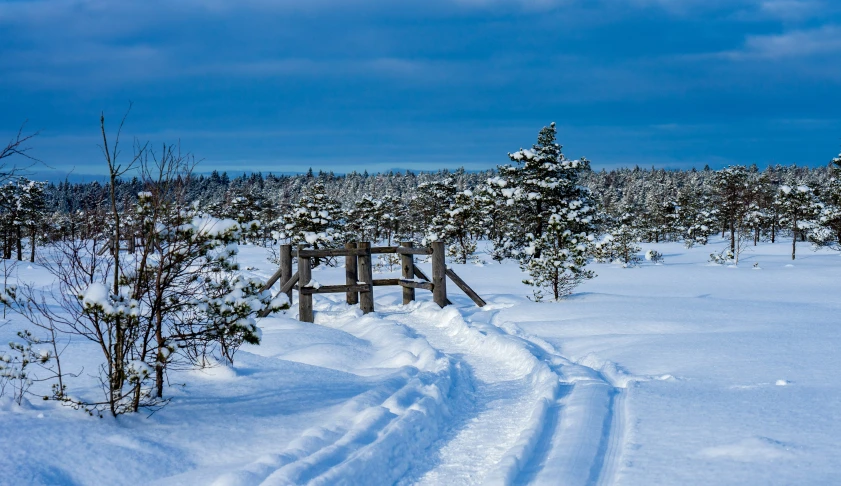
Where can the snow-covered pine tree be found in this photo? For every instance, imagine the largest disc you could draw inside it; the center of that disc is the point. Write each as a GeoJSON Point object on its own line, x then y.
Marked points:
{"type": "Point", "coordinates": [733, 196]}
{"type": "Point", "coordinates": [799, 209]}
{"type": "Point", "coordinates": [364, 219]}
{"type": "Point", "coordinates": [22, 207]}
{"type": "Point", "coordinates": [315, 220]}
{"type": "Point", "coordinates": [392, 217]}
{"type": "Point", "coordinates": [245, 207]}
{"type": "Point", "coordinates": [659, 210]}
{"type": "Point", "coordinates": [828, 231]}
{"type": "Point", "coordinates": [621, 243]}
{"type": "Point", "coordinates": [695, 216]}
{"type": "Point", "coordinates": [495, 206]}
{"type": "Point", "coordinates": [430, 200]}
{"type": "Point", "coordinates": [458, 226]}
{"type": "Point", "coordinates": [556, 217]}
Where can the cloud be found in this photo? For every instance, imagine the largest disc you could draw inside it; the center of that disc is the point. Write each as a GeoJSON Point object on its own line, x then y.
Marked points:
{"type": "Point", "coordinates": [792, 44]}
{"type": "Point", "coordinates": [792, 9]}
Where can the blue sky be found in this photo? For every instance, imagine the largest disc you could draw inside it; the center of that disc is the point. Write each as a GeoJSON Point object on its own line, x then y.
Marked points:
{"type": "Point", "coordinates": [351, 84]}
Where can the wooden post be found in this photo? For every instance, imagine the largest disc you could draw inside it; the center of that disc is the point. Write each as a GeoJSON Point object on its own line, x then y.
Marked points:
{"type": "Point", "coordinates": [408, 264]}
{"type": "Point", "coordinates": [351, 274]}
{"type": "Point", "coordinates": [305, 313]}
{"type": "Point", "coordinates": [366, 275]}
{"type": "Point", "coordinates": [439, 273]}
{"type": "Point", "coordinates": [286, 267]}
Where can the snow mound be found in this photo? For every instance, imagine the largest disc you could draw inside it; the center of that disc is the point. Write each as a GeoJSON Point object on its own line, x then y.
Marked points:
{"type": "Point", "coordinates": [754, 449]}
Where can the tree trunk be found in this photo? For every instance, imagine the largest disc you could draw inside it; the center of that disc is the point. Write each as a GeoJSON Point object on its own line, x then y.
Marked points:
{"type": "Point", "coordinates": [19, 240]}
{"type": "Point", "coordinates": [793, 239]}
{"type": "Point", "coordinates": [32, 245]}
{"type": "Point", "coordinates": [732, 236]}
{"type": "Point", "coordinates": [159, 363]}
{"type": "Point", "coordinates": [7, 244]}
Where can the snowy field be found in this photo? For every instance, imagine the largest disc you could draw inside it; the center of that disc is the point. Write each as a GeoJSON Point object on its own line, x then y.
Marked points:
{"type": "Point", "coordinates": [681, 373]}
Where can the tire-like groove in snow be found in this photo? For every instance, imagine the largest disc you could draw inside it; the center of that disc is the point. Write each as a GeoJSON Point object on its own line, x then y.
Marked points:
{"type": "Point", "coordinates": [376, 435]}
{"type": "Point", "coordinates": [587, 438]}
{"type": "Point", "coordinates": [571, 430]}
{"type": "Point", "coordinates": [482, 403]}
{"type": "Point", "coordinates": [513, 389]}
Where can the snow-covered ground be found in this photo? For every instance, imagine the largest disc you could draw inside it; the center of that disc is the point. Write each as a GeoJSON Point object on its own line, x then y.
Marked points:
{"type": "Point", "coordinates": [681, 373]}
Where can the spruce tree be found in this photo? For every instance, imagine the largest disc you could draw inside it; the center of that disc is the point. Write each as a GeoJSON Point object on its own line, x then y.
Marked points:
{"type": "Point", "coordinates": [315, 220]}
{"type": "Point", "coordinates": [555, 217]}
{"type": "Point", "coordinates": [621, 243]}
{"type": "Point", "coordinates": [458, 226]}
{"type": "Point", "coordinates": [732, 189]}
{"type": "Point", "coordinates": [799, 208]}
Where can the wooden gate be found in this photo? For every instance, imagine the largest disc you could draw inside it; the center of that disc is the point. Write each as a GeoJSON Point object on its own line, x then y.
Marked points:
{"type": "Point", "coordinates": [359, 277]}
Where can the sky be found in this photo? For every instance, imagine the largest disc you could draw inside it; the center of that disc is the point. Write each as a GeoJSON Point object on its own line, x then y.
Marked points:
{"type": "Point", "coordinates": [342, 85]}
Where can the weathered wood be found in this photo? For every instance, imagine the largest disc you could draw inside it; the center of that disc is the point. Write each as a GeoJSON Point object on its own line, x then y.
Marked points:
{"type": "Point", "coordinates": [330, 252]}
{"type": "Point", "coordinates": [413, 251]}
{"type": "Point", "coordinates": [286, 268]}
{"type": "Point", "coordinates": [351, 274]}
{"type": "Point", "coordinates": [465, 288]}
{"type": "Point", "coordinates": [305, 312]}
{"type": "Point", "coordinates": [414, 284]}
{"type": "Point", "coordinates": [384, 282]}
{"type": "Point", "coordinates": [419, 274]}
{"type": "Point", "coordinates": [336, 289]}
{"type": "Point", "coordinates": [439, 275]}
{"type": "Point", "coordinates": [107, 246]}
{"type": "Point", "coordinates": [407, 262]}
{"type": "Point", "coordinates": [366, 276]}
{"type": "Point", "coordinates": [286, 289]}
{"type": "Point", "coordinates": [290, 284]}
{"type": "Point", "coordinates": [274, 278]}
{"type": "Point", "coordinates": [379, 250]}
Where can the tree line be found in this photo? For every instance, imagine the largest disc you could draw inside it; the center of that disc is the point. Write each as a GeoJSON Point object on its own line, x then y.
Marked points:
{"type": "Point", "coordinates": [145, 263]}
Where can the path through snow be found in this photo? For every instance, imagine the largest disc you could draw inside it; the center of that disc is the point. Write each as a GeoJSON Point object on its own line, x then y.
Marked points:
{"type": "Point", "coordinates": [519, 413]}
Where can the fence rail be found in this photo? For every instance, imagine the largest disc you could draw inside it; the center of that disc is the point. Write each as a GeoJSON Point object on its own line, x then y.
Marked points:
{"type": "Point", "coordinates": [359, 280]}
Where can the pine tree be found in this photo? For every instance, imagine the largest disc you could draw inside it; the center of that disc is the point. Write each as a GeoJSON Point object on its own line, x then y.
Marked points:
{"type": "Point", "coordinates": [828, 231]}
{"type": "Point", "coordinates": [315, 220]}
{"type": "Point", "coordinates": [799, 209]}
{"type": "Point", "coordinates": [458, 226]}
{"type": "Point", "coordinates": [621, 243]}
{"type": "Point", "coordinates": [431, 198]}
{"type": "Point", "coordinates": [556, 217]}
{"type": "Point", "coordinates": [732, 189]}
{"type": "Point", "coordinates": [495, 206]}
{"type": "Point", "coordinates": [364, 220]}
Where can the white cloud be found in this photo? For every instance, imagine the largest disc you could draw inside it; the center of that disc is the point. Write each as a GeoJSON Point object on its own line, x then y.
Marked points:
{"type": "Point", "coordinates": [791, 9]}
{"type": "Point", "coordinates": [796, 43]}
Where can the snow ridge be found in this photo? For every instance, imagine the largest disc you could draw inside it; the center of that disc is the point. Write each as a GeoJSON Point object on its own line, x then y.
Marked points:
{"type": "Point", "coordinates": [378, 433]}
{"type": "Point", "coordinates": [538, 417]}
{"type": "Point", "coordinates": [587, 435]}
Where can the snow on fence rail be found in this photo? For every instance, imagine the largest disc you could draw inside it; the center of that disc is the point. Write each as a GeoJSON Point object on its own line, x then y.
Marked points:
{"type": "Point", "coordinates": [359, 280]}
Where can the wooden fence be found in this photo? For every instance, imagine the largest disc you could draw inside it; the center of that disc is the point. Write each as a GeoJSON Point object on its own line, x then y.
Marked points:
{"type": "Point", "coordinates": [359, 277]}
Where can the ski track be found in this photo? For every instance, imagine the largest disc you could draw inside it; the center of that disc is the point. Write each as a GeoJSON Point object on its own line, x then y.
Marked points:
{"type": "Point", "coordinates": [496, 406]}
{"type": "Point", "coordinates": [570, 431]}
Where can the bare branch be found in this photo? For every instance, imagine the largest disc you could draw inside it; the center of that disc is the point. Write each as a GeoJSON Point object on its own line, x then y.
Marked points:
{"type": "Point", "coordinates": [17, 146]}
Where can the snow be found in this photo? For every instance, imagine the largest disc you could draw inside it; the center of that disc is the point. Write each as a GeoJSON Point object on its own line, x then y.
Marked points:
{"type": "Point", "coordinates": [210, 226]}
{"type": "Point", "coordinates": [97, 295]}
{"type": "Point", "coordinates": [681, 373]}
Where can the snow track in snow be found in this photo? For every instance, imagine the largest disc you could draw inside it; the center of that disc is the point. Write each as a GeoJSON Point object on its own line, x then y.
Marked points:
{"type": "Point", "coordinates": [465, 401]}
{"type": "Point", "coordinates": [374, 437]}
{"type": "Point", "coordinates": [588, 435]}
{"type": "Point", "coordinates": [558, 422]}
